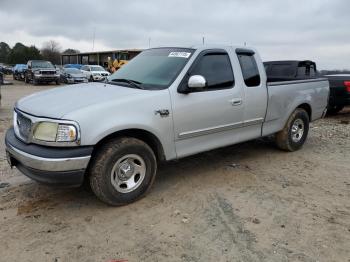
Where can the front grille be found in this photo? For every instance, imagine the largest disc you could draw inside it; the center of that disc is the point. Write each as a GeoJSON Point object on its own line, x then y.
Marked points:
{"type": "Point", "coordinates": [47, 72]}
{"type": "Point", "coordinates": [104, 74]}
{"type": "Point", "coordinates": [24, 125]}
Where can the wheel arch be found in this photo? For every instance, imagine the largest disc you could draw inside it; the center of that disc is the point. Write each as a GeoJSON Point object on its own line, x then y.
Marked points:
{"type": "Point", "coordinates": [150, 139]}
{"type": "Point", "coordinates": [307, 108]}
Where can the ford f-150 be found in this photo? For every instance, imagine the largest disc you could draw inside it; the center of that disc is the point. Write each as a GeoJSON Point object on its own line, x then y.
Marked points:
{"type": "Point", "coordinates": [166, 103]}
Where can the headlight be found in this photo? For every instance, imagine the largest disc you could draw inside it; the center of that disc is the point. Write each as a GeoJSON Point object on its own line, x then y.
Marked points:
{"type": "Point", "coordinates": [95, 74]}
{"type": "Point", "coordinates": [55, 132]}
{"type": "Point", "coordinates": [66, 133]}
{"type": "Point", "coordinates": [46, 131]}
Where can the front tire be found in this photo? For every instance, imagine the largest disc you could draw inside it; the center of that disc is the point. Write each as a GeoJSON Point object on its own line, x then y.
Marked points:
{"type": "Point", "coordinates": [293, 136]}
{"type": "Point", "coordinates": [122, 171]}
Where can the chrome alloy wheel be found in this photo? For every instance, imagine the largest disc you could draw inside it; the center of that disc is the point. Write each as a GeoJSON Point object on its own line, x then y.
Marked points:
{"type": "Point", "coordinates": [297, 130]}
{"type": "Point", "coordinates": [128, 173]}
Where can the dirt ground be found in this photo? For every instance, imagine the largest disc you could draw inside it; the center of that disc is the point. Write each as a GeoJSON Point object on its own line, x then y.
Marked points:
{"type": "Point", "coordinates": [248, 202]}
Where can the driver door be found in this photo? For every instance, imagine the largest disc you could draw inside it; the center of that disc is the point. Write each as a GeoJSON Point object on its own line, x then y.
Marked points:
{"type": "Point", "coordinates": [211, 117]}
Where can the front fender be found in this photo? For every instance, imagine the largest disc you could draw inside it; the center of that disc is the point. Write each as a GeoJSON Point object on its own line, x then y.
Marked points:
{"type": "Point", "coordinates": [137, 112]}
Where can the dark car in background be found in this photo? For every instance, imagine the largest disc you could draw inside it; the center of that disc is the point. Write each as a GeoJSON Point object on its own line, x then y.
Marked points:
{"type": "Point", "coordinates": [19, 71]}
{"type": "Point", "coordinates": [72, 76]}
{"type": "Point", "coordinates": [339, 96]}
{"type": "Point", "coordinates": [40, 71]}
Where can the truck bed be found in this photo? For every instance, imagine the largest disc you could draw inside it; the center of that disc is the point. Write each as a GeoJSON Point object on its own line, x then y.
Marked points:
{"type": "Point", "coordinates": [285, 96]}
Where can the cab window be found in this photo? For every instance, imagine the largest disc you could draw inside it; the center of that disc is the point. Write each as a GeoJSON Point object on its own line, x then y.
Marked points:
{"type": "Point", "coordinates": [249, 69]}
{"type": "Point", "coordinates": [216, 69]}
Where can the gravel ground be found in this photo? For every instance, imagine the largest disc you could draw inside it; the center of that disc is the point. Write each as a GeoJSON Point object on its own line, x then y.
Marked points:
{"type": "Point", "coordinates": [248, 202]}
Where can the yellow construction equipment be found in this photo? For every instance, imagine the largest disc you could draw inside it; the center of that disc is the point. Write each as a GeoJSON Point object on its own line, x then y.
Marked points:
{"type": "Point", "coordinates": [120, 59]}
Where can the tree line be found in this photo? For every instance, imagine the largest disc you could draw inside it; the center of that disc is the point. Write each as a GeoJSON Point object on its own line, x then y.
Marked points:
{"type": "Point", "coordinates": [20, 53]}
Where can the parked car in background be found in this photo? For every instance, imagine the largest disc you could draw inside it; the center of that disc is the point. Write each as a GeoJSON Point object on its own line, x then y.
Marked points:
{"type": "Point", "coordinates": [290, 70]}
{"type": "Point", "coordinates": [40, 71]}
{"type": "Point", "coordinates": [339, 96]}
{"type": "Point", "coordinates": [19, 71]}
{"type": "Point", "coordinates": [167, 104]}
{"type": "Point", "coordinates": [94, 72]}
{"type": "Point", "coordinates": [5, 69]}
{"type": "Point", "coordinates": [77, 66]}
{"type": "Point", "coordinates": [72, 76]}
{"type": "Point", "coordinates": [8, 70]}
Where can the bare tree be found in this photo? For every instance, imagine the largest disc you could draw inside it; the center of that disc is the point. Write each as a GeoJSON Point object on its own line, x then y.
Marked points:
{"type": "Point", "coordinates": [51, 51]}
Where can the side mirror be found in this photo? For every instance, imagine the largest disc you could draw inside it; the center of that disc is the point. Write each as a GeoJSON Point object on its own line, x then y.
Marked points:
{"type": "Point", "coordinates": [196, 82]}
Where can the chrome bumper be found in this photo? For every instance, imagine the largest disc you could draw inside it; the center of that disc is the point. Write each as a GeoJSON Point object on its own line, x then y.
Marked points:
{"type": "Point", "coordinates": [47, 164]}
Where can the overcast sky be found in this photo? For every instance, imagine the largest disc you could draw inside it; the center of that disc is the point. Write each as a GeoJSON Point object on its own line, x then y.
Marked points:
{"type": "Point", "coordinates": [280, 29]}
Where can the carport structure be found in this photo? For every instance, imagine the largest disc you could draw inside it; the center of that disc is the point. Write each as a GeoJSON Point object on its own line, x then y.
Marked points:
{"type": "Point", "coordinates": [99, 57]}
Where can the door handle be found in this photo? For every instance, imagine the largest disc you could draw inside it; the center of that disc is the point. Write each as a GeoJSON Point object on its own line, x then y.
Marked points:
{"type": "Point", "coordinates": [236, 101]}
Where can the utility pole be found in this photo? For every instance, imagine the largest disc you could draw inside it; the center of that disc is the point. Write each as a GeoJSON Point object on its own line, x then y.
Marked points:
{"type": "Point", "coordinates": [93, 39]}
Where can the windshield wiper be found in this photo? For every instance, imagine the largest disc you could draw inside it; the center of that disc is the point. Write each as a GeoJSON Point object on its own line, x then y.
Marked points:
{"type": "Point", "coordinates": [132, 83]}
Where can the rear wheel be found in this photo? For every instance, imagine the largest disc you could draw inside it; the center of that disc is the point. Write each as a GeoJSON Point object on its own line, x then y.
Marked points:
{"type": "Point", "coordinates": [293, 136]}
{"type": "Point", "coordinates": [122, 171]}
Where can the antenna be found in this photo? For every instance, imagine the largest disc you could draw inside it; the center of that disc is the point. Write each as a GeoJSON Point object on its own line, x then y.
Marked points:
{"type": "Point", "coordinates": [93, 39]}
{"type": "Point", "coordinates": [203, 40]}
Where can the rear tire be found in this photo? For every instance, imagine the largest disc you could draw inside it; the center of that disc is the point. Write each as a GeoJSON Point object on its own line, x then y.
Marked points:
{"type": "Point", "coordinates": [293, 136]}
{"type": "Point", "coordinates": [122, 171]}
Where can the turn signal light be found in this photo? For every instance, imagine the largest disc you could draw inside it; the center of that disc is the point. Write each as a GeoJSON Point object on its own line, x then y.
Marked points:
{"type": "Point", "coordinates": [347, 85]}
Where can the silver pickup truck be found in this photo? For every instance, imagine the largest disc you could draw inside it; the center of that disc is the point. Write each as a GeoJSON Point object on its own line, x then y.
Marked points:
{"type": "Point", "coordinates": [167, 103]}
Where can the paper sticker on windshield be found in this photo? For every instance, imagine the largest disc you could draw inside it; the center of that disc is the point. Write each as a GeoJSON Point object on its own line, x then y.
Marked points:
{"type": "Point", "coordinates": [179, 54]}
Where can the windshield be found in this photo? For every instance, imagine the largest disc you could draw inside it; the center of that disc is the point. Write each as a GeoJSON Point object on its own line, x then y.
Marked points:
{"type": "Point", "coordinates": [97, 68]}
{"type": "Point", "coordinates": [72, 71]}
{"type": "Point", "coordinates": [154, 68]}
{"type": "Point", "coordinates": [42, 64]}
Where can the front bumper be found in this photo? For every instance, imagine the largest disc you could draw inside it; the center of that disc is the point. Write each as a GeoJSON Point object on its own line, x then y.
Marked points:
{"type": "Point", "coordinates": [47, 78]}
{"type": "Point", "coordinates": [50, 165]}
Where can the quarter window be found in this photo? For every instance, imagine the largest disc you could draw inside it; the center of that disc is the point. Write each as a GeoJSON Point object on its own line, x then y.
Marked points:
{"type": "Point", "coordinates": [249, 69]}
{"type": "Point", "coordinates": [216, 69]}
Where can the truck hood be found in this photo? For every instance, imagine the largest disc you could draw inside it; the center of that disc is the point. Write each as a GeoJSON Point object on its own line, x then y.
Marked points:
{"type": "Point", "coordinates": [57, 102]}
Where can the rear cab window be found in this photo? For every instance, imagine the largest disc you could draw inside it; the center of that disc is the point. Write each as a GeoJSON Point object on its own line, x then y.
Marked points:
{"type": "Point", "coordinates": [249, 67]}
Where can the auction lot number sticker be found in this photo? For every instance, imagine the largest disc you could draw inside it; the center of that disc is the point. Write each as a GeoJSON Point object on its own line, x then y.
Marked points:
{"type": "Point", "coordinates": [179, 54]}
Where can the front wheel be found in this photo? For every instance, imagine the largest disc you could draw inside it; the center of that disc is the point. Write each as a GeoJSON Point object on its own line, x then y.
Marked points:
{"type": "Point", "coordinates": [122, 171]}
{"type": "Point", "coordinates": [293, 136]}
